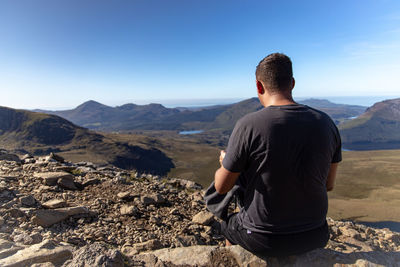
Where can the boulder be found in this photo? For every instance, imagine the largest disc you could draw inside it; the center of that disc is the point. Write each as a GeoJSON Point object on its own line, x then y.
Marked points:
{"type": "Point", "coordinates": [54, 203]}
{"type": "Point", "coordinates": [139, 247]}
{"type": "Point", "coordinates": [203, 217]}
{"type": "Point", "coordinates": [152, 199]}
{"type": "Point", "coordinates": [4, 155]}
{"type": "Point", "coordinates": [128, 210]}
{"type": "Point", "coordinates": [47, 218]}
{"type": "Point", "coordinates": [238, 256]}
{"type": "Point", "coordinates": [51, 178]}
{"type": "Point", "coordinates": [67, 182]}
{"type": "Point", "coordinates": [124, 195]}
{"type": "Point", "coordinates": [56, 157]}
{"type": "Point", "coordinates": [97, 254]}
{"type": "Point", "coordinates": [28, 201]}
{"type": "Point", "coordinates": [46, 251]}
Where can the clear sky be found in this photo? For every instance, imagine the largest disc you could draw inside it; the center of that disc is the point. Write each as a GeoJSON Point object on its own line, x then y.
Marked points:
{"type": "Point", "coordinates": [58, 54]}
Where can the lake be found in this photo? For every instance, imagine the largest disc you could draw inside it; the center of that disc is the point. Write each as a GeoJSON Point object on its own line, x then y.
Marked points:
{"type": "Point", "coordinates": [191, 132]}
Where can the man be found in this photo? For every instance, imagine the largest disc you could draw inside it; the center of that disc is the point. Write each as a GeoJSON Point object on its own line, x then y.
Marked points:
{"type": "Point", "coordinates": [285, 158]}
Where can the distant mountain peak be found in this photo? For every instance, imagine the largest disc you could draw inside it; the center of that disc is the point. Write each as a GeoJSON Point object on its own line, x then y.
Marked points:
{"type": "Point", "coordinates": [91, 103]}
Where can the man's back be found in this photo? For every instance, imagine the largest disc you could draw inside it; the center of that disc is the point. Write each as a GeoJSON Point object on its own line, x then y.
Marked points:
{"type": "Point", "coordinates": [283, 154]}
{"type": "Point", "coordinates": [284, 158]}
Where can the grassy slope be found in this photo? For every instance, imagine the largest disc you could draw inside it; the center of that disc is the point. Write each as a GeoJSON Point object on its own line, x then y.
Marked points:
{"type": "Point", "coordinates": [367, 186]}
{"type": "Point", "coordinates": [193, 159]}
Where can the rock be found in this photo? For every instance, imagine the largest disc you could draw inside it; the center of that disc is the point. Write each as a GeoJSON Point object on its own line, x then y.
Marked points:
{"type": "Point", "coordinates": [54, 203]}
{"type": "Point", "coordinates": [4, 244]}
{"type": "Point", "coordinates": [4, 155]}
{"type": "Point", "coordinates": [238, 256]}
{"type": "Point", "coordinates": [46, 218]}
{"type": "Point", "coordinates": [139, 247]}
{"type": "Point", "coordinates": [70, 211]}
{"type": "Point", "coordinates": [350, 232]}
{"type": "Point", "coordinates": [190, 184]}
{"type": "Point", "coordinates": [67, 182]}
{"type": "Point", "coordinates": [51, 178]}
{"type": "Point", "coordinates": [10, 251]}
{"type": "Point", "coordinates": [46, 251]}
{"type": "Point", "coordinates": [186, 256]}
{"type": "Point", "coordinates": [185, 241]}
{"type": "Point", "coordinates": [203, 217]}
{"type": "Point", "coordinates": [16, 213]}
{"type": "Point", "coordinates": [128, 210]}
{"type": "Point", "coordinates": [46, 264]}
{"type": "Point", "coordinates": [6, 195]}
{"type": "Point", "coordinates": [26, 156]}
{"type": "Point", "coordinates": [36, 238]}
{"type": "Point", "coordinates": [24, 239]}
{"type": "Point", "coordinates": [96, 254]}
{"type": "Point", "coordinates": [124, 195]}
{"type": "Point", "coordinates": [152, 199]}
{"type": "Point", "coordinates": [56, 157]}
{"type": "Point", "coordinates": [91, 181]}
{"type": "Point", "coordinates": [28, 201]}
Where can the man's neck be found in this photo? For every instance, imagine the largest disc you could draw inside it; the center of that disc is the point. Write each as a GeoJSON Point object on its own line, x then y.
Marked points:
{"type": "Point", "coordinates": [277, 100]}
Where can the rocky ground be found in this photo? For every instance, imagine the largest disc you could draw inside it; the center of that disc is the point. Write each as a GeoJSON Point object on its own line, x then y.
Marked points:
{"type": "Point", "coordinates": [55, 213]}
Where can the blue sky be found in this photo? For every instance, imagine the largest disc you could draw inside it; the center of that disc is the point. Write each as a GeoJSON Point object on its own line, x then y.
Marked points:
{"type": "Point", "coordinates": [58, 54]}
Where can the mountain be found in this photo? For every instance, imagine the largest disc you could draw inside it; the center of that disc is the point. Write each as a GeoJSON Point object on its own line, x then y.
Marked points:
{"type": "Point", "coordinates": [338, 112]}
{"type": "Point", "coordinates": [97, 116]}
{"type": "Point", "coordinates": [39, 133]}
{"type": "Point", "coordinates": [377, 128]}
{"type": "Point", "coordinates": [94, 115]}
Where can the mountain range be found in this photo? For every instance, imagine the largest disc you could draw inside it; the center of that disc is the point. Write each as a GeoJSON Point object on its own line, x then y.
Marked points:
{"type": "Point", "coordinates": [38, 133]}
{"type": "Point", "coordinates": [94, 115]}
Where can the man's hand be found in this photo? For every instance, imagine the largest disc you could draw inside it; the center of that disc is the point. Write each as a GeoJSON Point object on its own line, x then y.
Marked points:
{"type": "Point", "coordinates": [224, 180]}
{"type": "Point", "coordinates": [221, 156]}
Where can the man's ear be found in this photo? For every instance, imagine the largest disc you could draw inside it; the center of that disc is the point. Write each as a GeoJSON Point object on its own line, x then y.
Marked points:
{"type": "Point", "coordinates": [260, 88]}
{"type": "Point", "coordinates": [293, 82]}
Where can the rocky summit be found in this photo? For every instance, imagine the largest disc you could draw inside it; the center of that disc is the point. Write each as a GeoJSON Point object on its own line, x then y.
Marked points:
{"type": "Point", "coordinates": [58, 213]}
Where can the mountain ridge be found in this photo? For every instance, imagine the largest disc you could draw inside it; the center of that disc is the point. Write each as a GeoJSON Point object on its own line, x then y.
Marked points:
{"type": "Point", "coordinates": [130, 116]}
{"type": "Point", "coordinates": [39, 133]}
{"type": "Point", "coordinates": [377, 128]}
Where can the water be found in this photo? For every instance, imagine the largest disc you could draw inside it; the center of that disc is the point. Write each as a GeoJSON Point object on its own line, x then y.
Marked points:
{"type": "Point", "coordinates": [191, 132]}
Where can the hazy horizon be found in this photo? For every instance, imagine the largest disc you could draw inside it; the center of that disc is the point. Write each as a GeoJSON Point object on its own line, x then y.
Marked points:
{"type": "Point", "coordinates": [192, 103]}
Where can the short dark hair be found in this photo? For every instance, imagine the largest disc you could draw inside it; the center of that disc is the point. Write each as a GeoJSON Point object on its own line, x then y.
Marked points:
{"type": "Point", "coordinates": [275, 71]}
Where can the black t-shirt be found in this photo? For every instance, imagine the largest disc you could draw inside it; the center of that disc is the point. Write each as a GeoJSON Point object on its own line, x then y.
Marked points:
{"type": "Point", "coordinates": [283, 154]}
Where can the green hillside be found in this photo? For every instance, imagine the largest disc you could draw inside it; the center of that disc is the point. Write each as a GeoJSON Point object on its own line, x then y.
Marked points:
{"type": "Point", "coordinates": [377, 128]}
{"type": "Point", "coordinates": [38, 133]}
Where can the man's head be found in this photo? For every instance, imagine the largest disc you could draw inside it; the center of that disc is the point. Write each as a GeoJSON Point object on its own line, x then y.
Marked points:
{"type": "Point", "coordinates": [275, 73]}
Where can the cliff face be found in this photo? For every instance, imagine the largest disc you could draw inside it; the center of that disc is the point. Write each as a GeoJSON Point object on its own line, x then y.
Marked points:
{"type": "Point", "coordinates": [76, 214]}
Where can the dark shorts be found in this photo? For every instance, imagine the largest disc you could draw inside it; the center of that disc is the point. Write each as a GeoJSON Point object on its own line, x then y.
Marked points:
{"type": "Point", "coordinates": [275, 245]}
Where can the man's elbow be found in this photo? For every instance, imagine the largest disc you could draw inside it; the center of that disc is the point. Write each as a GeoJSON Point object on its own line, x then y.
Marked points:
{"type": "Point", "coordinates": [220, 189]}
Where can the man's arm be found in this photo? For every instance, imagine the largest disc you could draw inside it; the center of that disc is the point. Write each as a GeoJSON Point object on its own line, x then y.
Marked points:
{"type": "Point", "coordinates": [330, 182]}
{"type": "Point", "coordinates": [224, 180]}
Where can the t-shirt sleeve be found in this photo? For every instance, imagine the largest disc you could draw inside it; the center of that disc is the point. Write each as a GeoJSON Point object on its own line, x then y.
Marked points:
{"type": "Point", "coordinates": [337, 156]}
{"type": "Point", "coordinates": [236, 156]}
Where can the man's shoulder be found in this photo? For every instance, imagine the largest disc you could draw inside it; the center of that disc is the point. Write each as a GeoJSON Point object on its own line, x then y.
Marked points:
{"type": "Point", "coordinates": [251, 118]}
